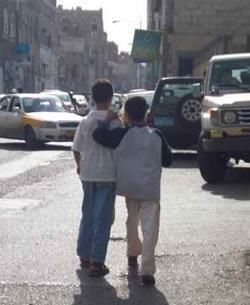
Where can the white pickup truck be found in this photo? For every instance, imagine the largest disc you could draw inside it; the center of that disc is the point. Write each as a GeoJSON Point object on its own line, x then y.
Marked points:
{"type": "Point", "coordinates": [225, 115]}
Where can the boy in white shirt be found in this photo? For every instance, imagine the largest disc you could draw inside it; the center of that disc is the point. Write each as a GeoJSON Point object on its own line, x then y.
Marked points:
{"type": "Point", "coordinates": [96, 168]}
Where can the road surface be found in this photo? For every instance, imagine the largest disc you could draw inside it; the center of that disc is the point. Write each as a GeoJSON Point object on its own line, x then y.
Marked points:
{"type": "Point", "coordinates": [203, 254]}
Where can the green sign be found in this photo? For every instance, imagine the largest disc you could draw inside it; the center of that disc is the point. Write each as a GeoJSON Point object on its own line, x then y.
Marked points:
{"type": "Point", "coordinates": [146, 45]}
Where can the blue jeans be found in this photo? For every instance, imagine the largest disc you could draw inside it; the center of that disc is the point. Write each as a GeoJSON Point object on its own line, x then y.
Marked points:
{"type": "Point", "coordinates": [97, 211]}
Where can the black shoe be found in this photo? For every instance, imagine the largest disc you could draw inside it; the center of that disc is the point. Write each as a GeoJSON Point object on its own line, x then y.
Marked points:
{"type": "Point", "coordinates": [132, 261]}
{"type": "Point", "coordinates": [148, 280]}
{"type": "Point", "coordinates": [98, 270]}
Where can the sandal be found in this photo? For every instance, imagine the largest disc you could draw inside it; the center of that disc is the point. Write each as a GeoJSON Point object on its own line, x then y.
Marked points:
{"type": "Point", "coordinates": [98, 270]}
{"type": "Point", "coordinates": [84, 263]}
{"type": "Point", "coordinates": [132, 261]}
{"type": "Point", "coordinates": [148, 280]}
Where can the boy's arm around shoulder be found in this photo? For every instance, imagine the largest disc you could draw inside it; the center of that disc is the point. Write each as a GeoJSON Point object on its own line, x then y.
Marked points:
{"type": "Point", "coordinates": [166, 154]}
{"type": "Point", "coordinates": [110, 138]}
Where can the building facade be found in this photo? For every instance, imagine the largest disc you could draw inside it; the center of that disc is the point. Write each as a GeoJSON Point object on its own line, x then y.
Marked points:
{"type": "Point", "coordinates": [43, 46]}
{"type": "Point", "coordinates": [9, 73]}
{"type": "Point", "coordinates": [194, 29]}
{"type": "Point", "coordinates": [27, 45]}
{"type": "Point", "coordinates": [46, 63]}
{"type": "Point", "coordinates": [83, 49]}
{"type": "Point", "coordinates": [127, 77]}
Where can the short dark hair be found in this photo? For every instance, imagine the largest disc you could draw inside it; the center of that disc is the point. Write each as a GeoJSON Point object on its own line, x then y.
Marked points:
{"type": "Point", "coordinates": [136, 107]}
{"type": "Point", "coordinates": [102, 91]}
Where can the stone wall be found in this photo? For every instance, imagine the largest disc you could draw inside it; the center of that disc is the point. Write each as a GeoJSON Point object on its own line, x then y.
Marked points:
{"type": "Point", "coordinates": [191, 25]}
{"type": "Point", "coordinates": [211, 16]}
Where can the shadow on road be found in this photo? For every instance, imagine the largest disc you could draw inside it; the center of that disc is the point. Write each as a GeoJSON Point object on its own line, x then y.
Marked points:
{"type": "Point", "coordinates": [236, 185]}
{"type": "Point", "coordinates": [184, 160]}
{"type": "Point", "coordinates": [99, 291]}
{"type": "Point", "coordinates": [20, 146]}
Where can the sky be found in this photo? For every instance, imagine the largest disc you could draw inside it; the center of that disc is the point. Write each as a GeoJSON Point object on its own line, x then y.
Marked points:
{"type": "Point", "coordinates": [129, 14]}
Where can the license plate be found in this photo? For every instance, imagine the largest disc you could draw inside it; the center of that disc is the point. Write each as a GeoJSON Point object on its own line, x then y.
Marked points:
{"type": "Point", "coordinates": [216, 133]}
{"type": "Point", "coordinates": [163, 121]}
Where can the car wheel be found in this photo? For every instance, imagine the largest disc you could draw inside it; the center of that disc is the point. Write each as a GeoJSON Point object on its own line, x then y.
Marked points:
{"type": "Point", "coordinates": [212, 165]}
{"type": "Point", "coordinates": [189, 110]}
{"type": "Point", "coordinates": [30, 138]}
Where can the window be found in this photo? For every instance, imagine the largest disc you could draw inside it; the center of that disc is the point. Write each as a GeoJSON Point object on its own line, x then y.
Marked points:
{"type": "Point", "coordinates": [48, 104]}
{"type": "Point", "coordinates": [230, 74]}
{"type": "Point", "coordinates": [16, 104]}
{"type": "Point", "coordinates": [13, 26]}
{"type": "Point", "coordinates": [66, 25]}
{"type": "Point", "coordinates": [171, 93]}
{"type": "Point", "coordinates": [157, 5]}
{"type": "Point", "coordinates": [44, 69]}
{"type": "Point", "coordinates": [4, 104]}
{"type": "Point", "coordinates": [94, 27]}
{"type": "Point", "coordinates": [5, 23]}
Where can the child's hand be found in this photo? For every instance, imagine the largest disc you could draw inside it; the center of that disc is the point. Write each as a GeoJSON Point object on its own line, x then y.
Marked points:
{"type": "Point", "coordinates": [111, 115]}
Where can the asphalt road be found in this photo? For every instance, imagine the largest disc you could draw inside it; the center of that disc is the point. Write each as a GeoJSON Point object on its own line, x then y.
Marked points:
{"type": "Point", "coordinates": [203, 254]}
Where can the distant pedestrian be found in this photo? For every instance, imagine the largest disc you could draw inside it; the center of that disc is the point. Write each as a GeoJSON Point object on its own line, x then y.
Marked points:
{"type": "Point", "coordinates": [96, 168]}
{"type": "Point", "coordinates": [13, 91]}
{"type": "Point", "coordinates": [141, 152]}
{"type": "Point", "coordinates": [73, 100]}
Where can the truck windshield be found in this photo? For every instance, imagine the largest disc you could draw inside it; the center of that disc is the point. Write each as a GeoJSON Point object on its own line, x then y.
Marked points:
{"type": "Point", "coordinates": [230, 75]}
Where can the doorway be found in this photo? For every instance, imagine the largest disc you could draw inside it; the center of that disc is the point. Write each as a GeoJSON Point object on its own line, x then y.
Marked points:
{"type": "Point", "coordinates": [185, 66]}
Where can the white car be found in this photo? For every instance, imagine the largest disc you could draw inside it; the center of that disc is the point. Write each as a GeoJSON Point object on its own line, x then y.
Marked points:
{"type": "Point", "coordinates": [36, 118]}
{"type": "Point", "coordinates": [63, 96]}
{"type": "Point", "coordinates": [116, 104]}
{"type": "Point", "coordinates": [82, 106]}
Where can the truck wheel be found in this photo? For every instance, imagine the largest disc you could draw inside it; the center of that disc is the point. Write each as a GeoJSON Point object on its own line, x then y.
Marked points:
{"type": "Point", "coordinates": [30, 138]}
{"type": "Point", "coordinates": [212, 165]}
{"type": "Point", "coordinates": [189, 110]}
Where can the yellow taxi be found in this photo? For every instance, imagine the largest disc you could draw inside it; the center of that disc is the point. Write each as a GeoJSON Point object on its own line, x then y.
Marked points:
{"type": "Point", "coordinates": [36, 118]}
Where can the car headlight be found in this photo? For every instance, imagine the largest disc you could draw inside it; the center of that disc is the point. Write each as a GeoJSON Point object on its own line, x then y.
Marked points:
{"type": "Point", "coordinates": [48, 125]}
{"type": "Point", "coordinates": [229, 117]}
{"type": "Point", "coordinates": [213, 115]}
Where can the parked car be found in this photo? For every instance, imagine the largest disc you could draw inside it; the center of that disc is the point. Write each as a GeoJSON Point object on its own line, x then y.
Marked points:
{"type": "Point", "coordinates": [81, 104]}
{"type": "Point", "coordinates": [117, 102]}
{"type": "Point", "coordinates": [176, 112]}
{"type": "Point", "coordinates": [36, 118]}
{"type": "Point", "coordinates": [225, 115]}
{"type": "Point", "coordinates": [116, 105]}
{"type": "Point", "coordinates": [88, 96]}
{"type": "Point", "coordinates": [137, 90]}
{"type": "Point", "coordinates": [63, 96]}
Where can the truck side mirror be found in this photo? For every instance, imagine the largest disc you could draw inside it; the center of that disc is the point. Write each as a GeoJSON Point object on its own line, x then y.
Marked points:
{"type": "Point", "coordinates": [197, 91]}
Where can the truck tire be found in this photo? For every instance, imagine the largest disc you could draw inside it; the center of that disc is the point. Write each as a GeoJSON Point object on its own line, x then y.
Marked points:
{"type": "Point", "coordinates": [189, 110]}
{"type": "Point", "coordinates": [30, 138]}
{"type": "Point", "coordinates": [212, 165]}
